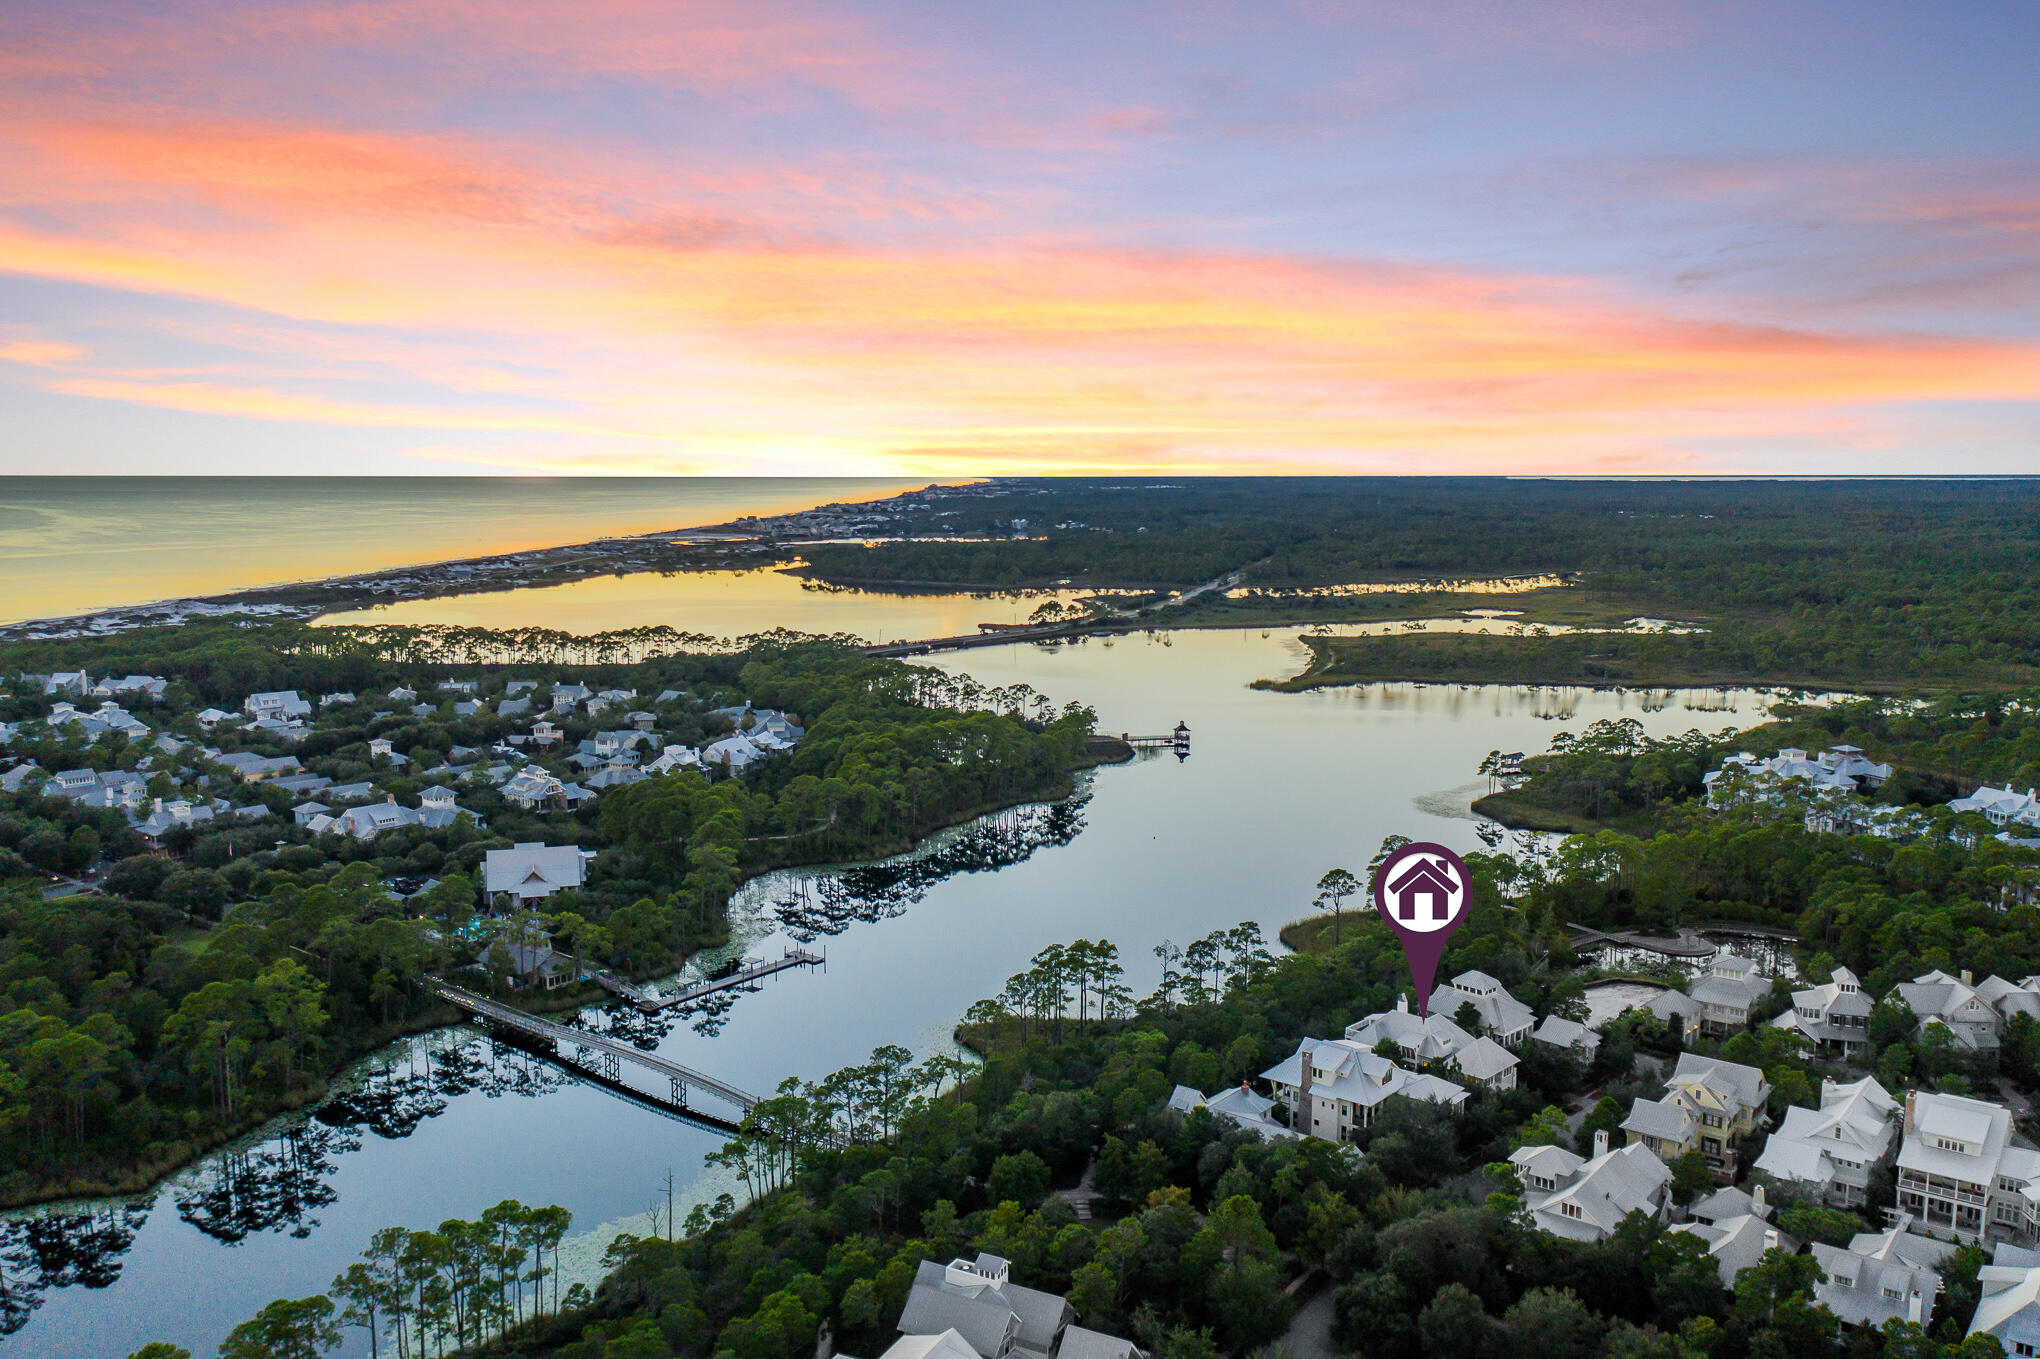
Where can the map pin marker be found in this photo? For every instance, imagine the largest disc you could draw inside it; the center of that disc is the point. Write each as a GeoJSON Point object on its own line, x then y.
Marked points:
{"type": "Point", "coordinates": [1423, 891]}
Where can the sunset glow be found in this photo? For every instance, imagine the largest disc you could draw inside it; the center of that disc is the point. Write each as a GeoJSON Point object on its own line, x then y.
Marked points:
{"type": "Point", "coordinates": [921, 240]}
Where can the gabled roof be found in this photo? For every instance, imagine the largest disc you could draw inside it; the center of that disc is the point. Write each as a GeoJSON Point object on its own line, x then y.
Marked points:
{"type": "Point", "coordinates": [2007, 1291]}
{"type": "Point", "coordinates": [1660, 1119]}
{"type": "Point", "coordinates": [1745, 1084]}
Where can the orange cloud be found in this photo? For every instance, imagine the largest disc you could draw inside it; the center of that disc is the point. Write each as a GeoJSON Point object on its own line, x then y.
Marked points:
{"type": "Point", "coordinates": [611, 311]}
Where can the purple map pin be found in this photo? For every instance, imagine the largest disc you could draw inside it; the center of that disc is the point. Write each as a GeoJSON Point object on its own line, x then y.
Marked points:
{"type": "Point", "coordinates": [1423, 892]}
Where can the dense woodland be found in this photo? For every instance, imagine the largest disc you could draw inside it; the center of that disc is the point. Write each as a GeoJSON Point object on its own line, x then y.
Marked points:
{"type": "Point", "coordinates": [1841, 584]}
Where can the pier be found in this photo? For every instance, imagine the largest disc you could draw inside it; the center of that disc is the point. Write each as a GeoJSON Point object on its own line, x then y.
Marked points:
{"type": "Point", "coordinates": [1177, 740]}
{"type": "Point", "coordinates": [651, 1002]}
{"type": "Point", "coordinates": [600, 1059]}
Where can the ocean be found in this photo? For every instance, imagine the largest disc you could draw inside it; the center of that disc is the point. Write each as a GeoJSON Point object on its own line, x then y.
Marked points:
{"type": "Point", "coordinates": [71, 545]}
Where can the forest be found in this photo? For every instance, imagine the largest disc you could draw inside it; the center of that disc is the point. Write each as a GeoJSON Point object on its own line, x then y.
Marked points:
{"type": "Point", "coordinates": [1851, 584]}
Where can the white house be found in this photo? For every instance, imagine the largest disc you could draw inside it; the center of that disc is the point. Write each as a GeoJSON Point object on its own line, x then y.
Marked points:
{"type": "Point", "coordinates": [532, 788]}
{"type": "Point", "coordinates": [2009, 1307]}
{"type": "Point", "coordinates": [732, 754]}
{"type": "Point", "coordinates": [673, 759]}
{"type": "Point", "coordinates": [1502, 1017]}
{"type": "Point", "coordinates": [1568, 1035]}
{"type": "Point", "coordinates": [533, 871]}
{"type": "Point", "coordinates": [280, 704]}
{"type": "Point", "coordinates": [1437, 1039]}
{"type": "Point", "coordinates": [1744, 777]}
{"type": "Point", "coordinates": [1334, 1087]}
{"type": "Point", "coordinates": [1882, 1276]}
{"type": "Point", "coordinates": [1937, 998]}
{"type": "Point", "coordinates": [1727, 994]}
{"type": "Point", "coordinates": [1959, 1174]}
{"type": "Point", "coordinates": [1833, 1017]}
{"type": "Point", "coordinates": [1587, 1199]}
{"type": "Point", "coordinates": [371, 819]}
{"type": "Point", "coordinates": [1238, 1105]}
{"type": "Point", "coordinates": [1737, 1231]}
{"type": "Point", "coordinates": [2001, 806]}
{"type": "Point", "coordinates": [1830, 1151]}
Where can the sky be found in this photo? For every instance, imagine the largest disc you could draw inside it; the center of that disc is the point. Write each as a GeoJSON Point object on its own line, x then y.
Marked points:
{"type": "Point", "coordinates": [772, 237]}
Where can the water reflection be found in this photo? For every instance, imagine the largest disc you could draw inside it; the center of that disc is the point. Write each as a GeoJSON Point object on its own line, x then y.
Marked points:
{"type": "Point", "coordinates": [79, 1249]}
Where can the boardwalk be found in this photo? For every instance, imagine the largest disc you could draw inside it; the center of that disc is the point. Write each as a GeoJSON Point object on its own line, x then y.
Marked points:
{"type": "Point", "coordinates": [1687, 945]}
{"type": "Point", "coordinates": [608, 1054]}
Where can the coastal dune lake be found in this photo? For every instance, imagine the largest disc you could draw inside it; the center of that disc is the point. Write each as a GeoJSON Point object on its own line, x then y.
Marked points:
{"type": "Point", "coordinates": [1277, 788]}
{"type": "Point", "coordinates": [719, 603]}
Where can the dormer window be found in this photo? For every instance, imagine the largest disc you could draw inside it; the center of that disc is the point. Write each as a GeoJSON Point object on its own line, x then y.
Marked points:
{"type": "Point", "coordinates": [1569, 1209]}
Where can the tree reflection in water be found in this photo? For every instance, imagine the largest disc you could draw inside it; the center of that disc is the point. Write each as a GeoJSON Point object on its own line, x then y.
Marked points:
{"type": "Point", "coordinates": [280, 1182]}
{"type": "Point", "coordinates": [79, 1249]}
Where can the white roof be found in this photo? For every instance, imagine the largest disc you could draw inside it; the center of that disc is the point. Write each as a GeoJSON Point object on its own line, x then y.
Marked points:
{"type": "Point", "coordinates": [948, 1345]}
{"type": "Point", "coordinates": [534, 865]}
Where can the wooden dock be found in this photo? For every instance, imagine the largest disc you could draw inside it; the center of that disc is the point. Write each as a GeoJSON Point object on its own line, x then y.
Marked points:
{"type": "Point", "coordinates": [1177, 740]}
{"type": "Point", "coordinates": [651, 1002]}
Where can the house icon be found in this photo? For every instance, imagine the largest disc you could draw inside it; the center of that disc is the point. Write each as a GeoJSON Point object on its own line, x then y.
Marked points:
{"type": "Point", "coordinates": [1422, 885]}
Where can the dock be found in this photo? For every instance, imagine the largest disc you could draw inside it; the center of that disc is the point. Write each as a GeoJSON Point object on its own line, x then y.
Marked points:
{"type": "Point", "coordinates": [1177, 740]}
{"type": "Point", "coordinates": [600, 1059]}
{"type": "Point", "coordinates": [651, 1002]}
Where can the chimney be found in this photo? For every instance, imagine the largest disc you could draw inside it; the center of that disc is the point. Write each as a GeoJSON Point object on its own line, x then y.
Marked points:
{"type": "Point", "coordinates": [1914, 1312]}
{"type": "Point", "coordinates": [1600, 1142]}
{"type": "Point", "coordinates": [1771, 1239]}
{"type": "Point", "coordinates": [1758, 1199]}
{"type": "Point", "coordinates": [1303, 1096]}
{"type": "Point", "coordinates": [156, 805]}
{"type": "Point", "coordinates": [1968, 977]}
{"type": "Point", "coordinates": [1402, 1005]}
{"type": "Point", "coordinates": [390, 798]}
{"type": "Point", "coordinates": [1910, 1097]}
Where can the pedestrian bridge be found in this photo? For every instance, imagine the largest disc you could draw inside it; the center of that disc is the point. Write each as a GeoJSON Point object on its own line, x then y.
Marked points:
{"type": "Point", "coordinates": [599, 1057]}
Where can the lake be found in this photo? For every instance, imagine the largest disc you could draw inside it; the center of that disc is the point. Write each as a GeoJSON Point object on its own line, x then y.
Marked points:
{"type": "Point", "coordinates": [69, 545]}
{"type": "Point", "coordinates": [1278, 788]}
{"type": "Point", "coordinates": [719, 603]}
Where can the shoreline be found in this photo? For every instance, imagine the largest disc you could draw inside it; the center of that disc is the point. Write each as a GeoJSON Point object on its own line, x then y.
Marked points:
{"type": "Point", "coordinates": [150, 1176]}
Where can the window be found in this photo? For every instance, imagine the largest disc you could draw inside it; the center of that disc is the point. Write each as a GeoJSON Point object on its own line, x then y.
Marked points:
{"type": "Point", "coordinates": [2020, 1347]}
{"type": "Point", "coordinates": [1569, 1209]}
{"type": "Point", "coordinates": [1893, 1293]}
